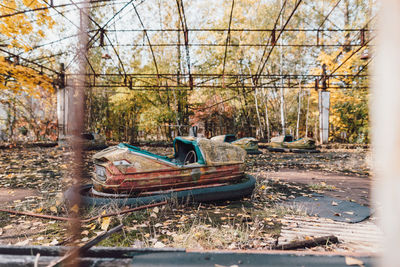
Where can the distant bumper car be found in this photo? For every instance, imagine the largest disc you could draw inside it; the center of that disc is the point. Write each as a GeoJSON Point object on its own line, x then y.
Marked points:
{"type": "Point", "coordinates": [89, 141]}
{"type": "Point", "coordinates": [250, 144]}
{"type": "Point", "coordinates": [286, 143]}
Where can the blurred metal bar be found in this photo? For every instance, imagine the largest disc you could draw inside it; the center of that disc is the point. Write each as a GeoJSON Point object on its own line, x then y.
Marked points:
{"type": "Point", "coordinates": [386, 130]}
{"type": "Point", "coordinates": [243, 30]}
{"type": "Point", "coordinates": [182, 87]}
{"type": "Point", "coordinates": [76, 124]}
{"type": "Point", "coordinates": [218, 75]}
{"type": "Point", "coordinates": [234, 45]}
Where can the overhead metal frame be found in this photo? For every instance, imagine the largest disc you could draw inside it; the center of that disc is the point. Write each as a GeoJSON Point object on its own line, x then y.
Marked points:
{"type": "Point", "coordinates": [195, 80]}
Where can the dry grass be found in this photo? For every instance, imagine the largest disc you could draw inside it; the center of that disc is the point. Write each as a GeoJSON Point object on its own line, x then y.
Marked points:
{"type": "Point", "coordinates": [320, 187]}
{"type": "Point", "coordinates": [201, 227]}
{"type": "Point", "coordinates": [246, 224]}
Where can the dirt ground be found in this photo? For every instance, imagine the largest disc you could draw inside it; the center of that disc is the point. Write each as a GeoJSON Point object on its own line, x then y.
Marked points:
{"type": "Point", "coordinates": [33, 179]}
{"type": "Point", "coordinates": [345, 187]}
{"type": "Point", "coordinates": [345, 174]}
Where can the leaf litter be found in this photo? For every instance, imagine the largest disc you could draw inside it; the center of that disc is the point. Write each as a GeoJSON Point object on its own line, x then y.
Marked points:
{"type": "Point", "coordinates": [251, 223]}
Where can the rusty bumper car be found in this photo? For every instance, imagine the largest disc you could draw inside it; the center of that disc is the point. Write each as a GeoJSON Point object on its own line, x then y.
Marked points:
{"type": "Point", "coordinates": [200, 169]}
{"type": "Point", "coordinates": [250, 144]}
{"type": "Point", "coordinates": [88, 141]}
{"type": "Point", "coordinates": [286, 143]}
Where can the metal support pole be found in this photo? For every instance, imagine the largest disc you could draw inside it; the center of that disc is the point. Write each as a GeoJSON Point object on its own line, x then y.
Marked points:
{"type": "Point", "coordinates": [61, 103]}
{"type": "Point", "coordinates": [324, 106]}
{"type": "Point", "coordinates": [385, 111]}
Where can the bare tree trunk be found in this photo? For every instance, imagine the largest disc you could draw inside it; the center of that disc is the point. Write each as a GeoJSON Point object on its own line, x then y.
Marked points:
{"type": "Point", "coordinates": [246, 112]}
{"type": "Point", "coordinates": [308, 111]}
{"type": "Point", "coordinates": [258, 113]}
{"type": "Point", "coordinates": [13, 119]}
{"type": "Point", "coordinates": [282, 108]}
{"type": "Point", "coordinates": [126, 126]}
{"type": "Point", "coordinates": [177, 100]}
{"type": "Point", "coordinates": [176, 103]}
{"type": "Point", "coordinates": [316, 131]}
{"type": "Point", "coordinates": [256, 103]}
{"type": "Point", "coordinates": [133, 134]}
{"type": "Point", "coordinates": [164, 133]}
{"type": "Point", "coordinates": [298, 112]}
{"type": "Point", "coordinates": [107, 127]}
{"type": "Point", "coordinates": [265, 99]}
{"type": "Point", "coordinates": [167, 134]}
{"type": "Point", "coordinates": [89, 108]}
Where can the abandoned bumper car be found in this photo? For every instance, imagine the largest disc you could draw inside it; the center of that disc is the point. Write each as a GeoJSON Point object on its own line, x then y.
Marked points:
{"type": "Point", "coordinates": [199, 170]}
{"type": "Point", "coordinates": [88, 140]}
{"type": "Point", "coordinates": [250, 144]}
{"type": "Point", "coordinates": [286, 143]}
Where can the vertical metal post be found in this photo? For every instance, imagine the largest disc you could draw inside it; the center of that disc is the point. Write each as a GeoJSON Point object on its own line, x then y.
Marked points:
{"type": "Point", "coordinates": [61, 103]}
{"type": "Point", "coordinates": [76, 121]}
{"type": "Point", "coordinates": [299, 110]}
{"type": "Point", "coordinates": [324, 106]}
{"type": "Point", "coordinates": [385, 112]}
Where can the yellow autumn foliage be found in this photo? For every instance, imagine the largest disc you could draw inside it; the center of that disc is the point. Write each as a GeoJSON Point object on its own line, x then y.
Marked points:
{"type": "Point", "coordinates": [20, 22]}
{"type": "Point", "coordinates": [22, 79]}
{"type": "Point", "coordinates": [346, 105]}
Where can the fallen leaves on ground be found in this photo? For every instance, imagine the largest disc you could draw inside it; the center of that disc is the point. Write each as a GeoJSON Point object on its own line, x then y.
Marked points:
{"type": "Point", "coordinates": [250, 223]}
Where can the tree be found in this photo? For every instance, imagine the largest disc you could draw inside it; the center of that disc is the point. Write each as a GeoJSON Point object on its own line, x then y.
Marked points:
{"type": "Point", "coordinates": [349, 106]}
{"type": "Point", "coordinates": [16, 32]}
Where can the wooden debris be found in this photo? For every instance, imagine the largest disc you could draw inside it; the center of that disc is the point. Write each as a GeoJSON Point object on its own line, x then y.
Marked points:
{"type": "Point", "coordinates": [51, 217]}
{"type": "Point", "coordinates": [81, 250]}
{"type": "Point", "coordinates": [308, 243]}
{"type": "Point", "coordinates": [36, 263]}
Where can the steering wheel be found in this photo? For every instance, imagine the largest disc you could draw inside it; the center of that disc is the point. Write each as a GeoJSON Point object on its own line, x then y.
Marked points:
{"type": "Point", "coordinates": [190, 157]}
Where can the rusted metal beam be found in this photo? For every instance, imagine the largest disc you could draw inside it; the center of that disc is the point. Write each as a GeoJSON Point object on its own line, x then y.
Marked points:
{"type": "Point", "coordinates": [277, 38]}
{"type": "Point", "coordinates": [44, 8]}
{"type": "Point", "coordinates": [271, 39]}
{"type": "Point", "coordinates": [351, 55]}
{"type": "Point", "coordinates": [90, 41]}
{"type": "Point", "coordinates": [29, 61]}
{"type": "Point", "coordinates": [149, 43]}
{"type": "Point", "coordinates": [67, 219]}
{"type": "Point", "coordinates": [182, 87]}
{"type": "Point", "coordinates": [228, 39]}
{"type": "Point", "coordinates": [182, 18]}
{"type": "Point", "coordinates": [327, 16]}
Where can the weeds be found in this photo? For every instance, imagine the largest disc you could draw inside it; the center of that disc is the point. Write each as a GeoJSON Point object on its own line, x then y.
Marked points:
{"type": "Point", "coordinates": [322, 187]}
{"type": "Point", "coordinates": [203, 226]}
{"type": "Point", "coordinates": [250, 223]}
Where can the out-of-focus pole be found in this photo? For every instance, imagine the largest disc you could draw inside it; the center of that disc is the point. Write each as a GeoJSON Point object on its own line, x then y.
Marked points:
{"type": "Point", "coordinates": [385, 111]}
{"type": "Point", "coordinates": [76, 119]}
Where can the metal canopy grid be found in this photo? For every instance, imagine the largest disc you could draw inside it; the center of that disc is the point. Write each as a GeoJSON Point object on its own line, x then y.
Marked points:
{"type": "Point", "coordinates": [118, 49]}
